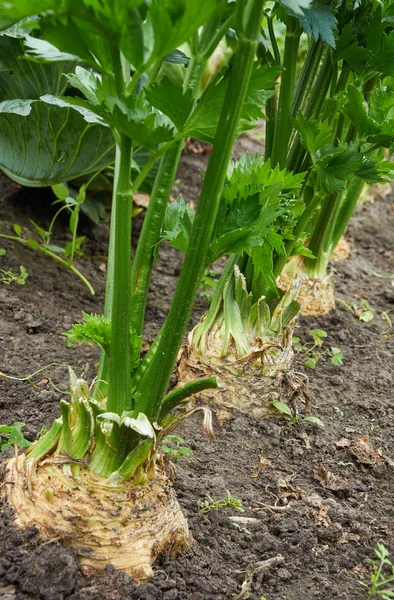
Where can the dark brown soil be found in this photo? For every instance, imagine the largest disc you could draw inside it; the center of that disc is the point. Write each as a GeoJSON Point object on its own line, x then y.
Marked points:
{"type": "Point", "coordinates": [321, 506]}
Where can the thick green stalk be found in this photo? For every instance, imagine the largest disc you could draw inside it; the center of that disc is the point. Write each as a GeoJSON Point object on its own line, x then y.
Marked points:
{"type": "Point", "coordinates": [307, 76]}
{"type": "Point", "coordinates": [347, 208]}
{"type": "Point", "coordinates": [119, 385]}
{"type": "Point", "coordinates": [331, 225]}
{"type": "Point", "coordinates": [283, 119]}
{"type": "Point", "coordinates": [314, 106]}
{"type": "Point", "coordinates": [320, 243]}
{"type": "Point", "coordinates": [100, 389]}
{"type": "Point", "coordinates": [156, 378]}
{"type": "Point", "coordinates": [144, 256]}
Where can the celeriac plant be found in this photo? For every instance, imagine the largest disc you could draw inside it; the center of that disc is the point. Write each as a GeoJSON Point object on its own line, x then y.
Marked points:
{"type": "Point", "coordinates": [323, 128]}
{"type": "Point", "coordinates": [113, 433]}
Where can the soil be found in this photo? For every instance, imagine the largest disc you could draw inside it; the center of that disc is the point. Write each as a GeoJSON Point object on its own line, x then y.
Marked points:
{"type": "Point", "coordinates": [320, 498]}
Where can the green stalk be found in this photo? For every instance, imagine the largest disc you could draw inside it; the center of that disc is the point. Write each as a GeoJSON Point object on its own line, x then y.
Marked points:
{"type": "Point", "coordinates": [307, 76]}
{"type": "Point", "coordinates": [314, 106]}
{"type": "Point", "coordinates": [347, 208]}
{"type": "Point", "coordinates": [283, 120]}
{"type": "Point", "coordinates": [320, 243]}
{"type": "Point", "coordinates": [119, 384]}
{"type": "Point", "coordinates": [144, 256]}
{"type": "Point", "coordinates": [157, 376]}
{"type": "Point", "coordinates": [328, 232]}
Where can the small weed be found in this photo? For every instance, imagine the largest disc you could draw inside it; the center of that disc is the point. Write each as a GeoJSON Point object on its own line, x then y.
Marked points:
{"type": "Point", "coordinates": [228, 502]}
{"type": "Point", "coordinates": [11, 435]}
{"type": "Point", "coordinates": [64, 255]}
{"type": "Point", "coordinates": [363, 311]}
{"type": "Point", "coordinates": [314, 350]}
{"type": "Point", "coordinates": [173, 445]}
{"type": "Point", "coordinates": [287, 413]}
{"type": "Point", "coordinates": [380, 581]}
{"type": "Point", "coordinates": [8, 276]}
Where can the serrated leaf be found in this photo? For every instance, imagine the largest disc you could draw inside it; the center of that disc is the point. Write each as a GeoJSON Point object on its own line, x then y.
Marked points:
{"type": "Point", "coordinates": [383, 60]}
{"type": "Point", "coordinates": [171, 100]}
{"type": "Point", "coordinates": [318, 21]}
{"type": "Point", "coordinates": [177, 224]}
{"type": "Point", "coordinates": [337, 167]}
{"type": "Point", "coordinates": [348, 49]}
{"type": "Point", "coordinates": [314, 135]}
{"type": "Point", "coordinates": [296, 7]}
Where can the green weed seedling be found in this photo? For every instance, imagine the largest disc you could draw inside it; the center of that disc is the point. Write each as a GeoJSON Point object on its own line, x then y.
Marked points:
{"type": "Point", "coordinates": [287, 413]}
{"type": "Point", "coordinates": [64, 255]}
{"type": "Point", "coordinates": [173, 445]}
{"type": "Point", "coordinates": [11, 435]}
{"type": "Point", "coordinates": [314, 350]}
{"type": "Point", "coordinates": [228, 501]}
{"type": "Point", "coordinates": [363, 311]}
{"type": "Point", "coordinates": [382, 585]}
{"type": "Point", "coordinates": [8, 276]}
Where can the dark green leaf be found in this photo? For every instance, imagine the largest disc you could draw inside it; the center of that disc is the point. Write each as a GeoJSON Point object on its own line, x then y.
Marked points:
{"type": "Point", "coordinates": [171, 100]}
{"type": "Point", "coordinates": [52, 145]}
{"type": "Point", "coordinates": [319, 21]}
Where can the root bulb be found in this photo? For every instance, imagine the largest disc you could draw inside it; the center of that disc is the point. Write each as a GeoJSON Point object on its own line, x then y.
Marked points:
{"type": "Point", "coordinates": [316, 296]}
{"type": "Point", "coordinates": [127, 526]}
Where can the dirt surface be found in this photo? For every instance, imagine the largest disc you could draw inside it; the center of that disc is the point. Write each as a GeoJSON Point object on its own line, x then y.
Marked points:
{"type": "Point", "coordinates": [319, 498]}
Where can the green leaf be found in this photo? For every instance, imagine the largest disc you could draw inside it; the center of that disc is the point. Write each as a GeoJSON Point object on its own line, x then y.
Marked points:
{"type": "Point", "coordinates": [60, 190]}
{"type": "Point", "coordinates": [52, 145]}
{"type": "Point", "coordinates": [203, 122]}
{"type": "Point", "coordinates": [314, 135]}
{"type": "Point", "coordinates": [337, 167]}
{"type": "Point", "coordinates": [174, 22]}
{"type": "Point", "coordinates": [171, 100]}
{"type": "Point", "coordinates": [348, 49]}
{"type": "Point", "coordinates": [46, 52]}
{"type": "Point", "coordinates": [318, 336]}
{"type": "Point", "coordinates": [383, 60]}
{"type": "Point", "coordinates": [319, 21]}
{"type": "Point", "coordinates": [177, 224]}
{"type": "Point", "coordinates": [2, 252]}
{"type": "Point", "coordinates": [314, 420]}
{"type": "Point", "coordinates": [336, 356]}
{"type": "Point", "coordinates": [41, 232]}
{"type": "Point", "coordinates": [310, 362]}
{"type": "Point", "coordinates": [95, 328]}
{"type": "Point", "coordinates": [18, 229]}
{"type": "Point", "coordinates": [296, 7]}
{"type": "Point", "coordinates": [282, 408]}
{"type": "Point", "coordinates": [23, 79]}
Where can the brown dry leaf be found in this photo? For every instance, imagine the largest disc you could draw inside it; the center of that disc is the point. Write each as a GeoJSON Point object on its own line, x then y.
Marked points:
{"type": "Point", "coordinates": [321, 516]}
{"type": "Point", "coordinates": [330, 481]}
{"type": "Point", "coordinates": [264, 463]}
{"type": "Point", "coordinates": [361, 449]}
{"type": "Point", "coordinates": [343, 443]}
{"type": "Point", "coordinates": [286, 490]}
{"type": "Point", "coordinates": [141, 200]}
{"type": "Point", "coordinates": [347, 537]}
